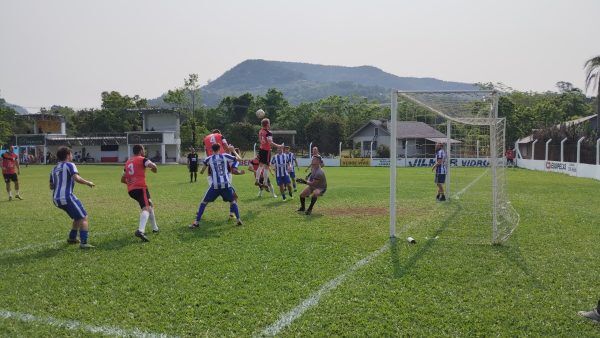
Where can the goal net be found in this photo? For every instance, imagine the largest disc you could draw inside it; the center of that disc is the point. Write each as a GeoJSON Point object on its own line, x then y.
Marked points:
{"type": "Point", "coordinates": [465, 124]}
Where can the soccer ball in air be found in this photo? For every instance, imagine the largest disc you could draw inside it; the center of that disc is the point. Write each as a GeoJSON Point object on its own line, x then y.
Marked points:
{"type": "Point", "coordinates": [260, 113]}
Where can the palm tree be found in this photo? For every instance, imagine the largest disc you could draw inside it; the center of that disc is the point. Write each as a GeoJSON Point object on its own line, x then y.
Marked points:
{"type": "Point", "coordinates": [592, 81]}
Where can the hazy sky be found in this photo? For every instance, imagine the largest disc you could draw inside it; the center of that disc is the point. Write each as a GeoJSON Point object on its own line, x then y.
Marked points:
{"type": "Point", "coordinates": [68, 52]}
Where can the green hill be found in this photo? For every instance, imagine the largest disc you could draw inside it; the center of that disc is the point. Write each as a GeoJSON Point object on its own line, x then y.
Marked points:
{"type": "Point", "coordinates": [302, 82]}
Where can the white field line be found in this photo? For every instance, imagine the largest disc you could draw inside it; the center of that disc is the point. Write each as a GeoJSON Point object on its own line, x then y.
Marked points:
{"type": "Point", "coordinates": [470, 184]}
{"type": "Point", "coordinates": [75, 325]}
{"type": "Point", "coordinates": [287, 318]}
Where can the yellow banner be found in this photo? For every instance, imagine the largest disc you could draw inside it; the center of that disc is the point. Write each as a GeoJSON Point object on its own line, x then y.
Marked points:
{"type": "Point", "coordinates": [355, 162]}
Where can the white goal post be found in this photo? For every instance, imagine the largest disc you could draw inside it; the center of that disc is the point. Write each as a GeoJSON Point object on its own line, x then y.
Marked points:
{"type": "Point", "coordinates": [464, 109]}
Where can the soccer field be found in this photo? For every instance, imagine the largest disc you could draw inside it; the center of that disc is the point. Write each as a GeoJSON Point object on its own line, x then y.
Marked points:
{"type": "Point", "coordinates": [334, 273]}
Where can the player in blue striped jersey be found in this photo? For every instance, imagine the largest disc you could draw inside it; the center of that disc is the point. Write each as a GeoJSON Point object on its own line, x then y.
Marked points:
{"type": "Point", "coordinates": [62, 182]}
{"type": "Point", "coordinates": [292, 159]}
{"type": "Point", "coordinates": [282, 167]}
{"type": "Point", "coordinates": [220, 182]}
{"type": "Point", "coordinates": [441, 170]}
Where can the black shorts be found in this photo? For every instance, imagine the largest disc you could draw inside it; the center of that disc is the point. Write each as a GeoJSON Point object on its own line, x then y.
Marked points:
{"type": "Point", "coordinates": [142, 196]}
{"type": "Point", "coordinates": [264, 156]}
{"type": "Point", "coordinates": [440, 178]}
{"type": "Point", "coordinates": [193, 168]}
{"type": "Point", "coordinates": [311, 189]}
{"type": "Point", "coordinates": [10, 177]}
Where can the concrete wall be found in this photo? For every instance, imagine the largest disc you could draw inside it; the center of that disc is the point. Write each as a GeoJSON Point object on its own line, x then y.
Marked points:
{"type": "Point", "coordinates": [567, 168]}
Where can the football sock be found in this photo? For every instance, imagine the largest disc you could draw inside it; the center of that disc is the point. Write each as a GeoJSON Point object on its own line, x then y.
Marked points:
{"type": "Point", "coordinates": [73, 234]}
{"type": "Point", "coordinates": [302, 202]}
{"type": "Point", "coordinates": [10, 193]}
{"type": "Point", "coordinates": [200, 211]}
{"type": "Point", "coordinates": [191, 176]}
{"type": "Point", "coordinates": [83, 235]}
{"type": "Point", "coordinates": [290, 190]}
{"type": "Point", "coordinates": [283, 194]}
{"type": "Point", "coordinates": [235, 210]}
{"type": "Point", "coordinates": [143, 219]}
{"type": "Point", "coordinates": [195, 177]}
{"type": "Point", "coordinates": [153, 220]}
{"type": "Point", "coordinates": [313, 200]}
{"type": "Point", "coordinates": [17, 192]}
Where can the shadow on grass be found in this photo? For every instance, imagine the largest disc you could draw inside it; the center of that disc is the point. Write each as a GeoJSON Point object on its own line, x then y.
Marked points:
{"type": "Point", "coordinates": [214, 229]}
{"type": "Point", "coordinates": [399, 270]}
{"type": "Point", "coordinates": [19, 259]}
{"type": "Point", "coordinates": [512, 252]}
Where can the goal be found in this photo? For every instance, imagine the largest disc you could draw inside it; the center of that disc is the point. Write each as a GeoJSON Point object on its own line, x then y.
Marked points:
{"type": "Point", "coordinates": [468, 126]}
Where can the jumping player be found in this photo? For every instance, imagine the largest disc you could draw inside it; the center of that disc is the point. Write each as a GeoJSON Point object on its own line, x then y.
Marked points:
{"type": "Point", "coordinates": [265, 137]}
{"type": "Point", "coordinates": [253, 167]}
{"type": "Point", "coordinates": [292, 160]}
{"type": "Point", "coordinates": [440, 171]}
{"type": "Point", "coordinates": [220, 183]}
{"type": "Point", "coordinates": [192, 160]}
{"type": "Point", "coordinates": [215, 138]}
{"type": "Point", "coordinates": [317, 185]}
{"type": "Point", "coordinates": [10, 169]}
{"type": "Point", "coordinates": [281, 163]}
{"type": "Point", "coordinates": [134, 175]}
{"type": "Point", "coordinates": [62, 182]}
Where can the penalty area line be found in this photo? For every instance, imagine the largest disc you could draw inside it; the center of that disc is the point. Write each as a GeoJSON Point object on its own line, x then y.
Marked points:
{"type": "Point", "coordinates": [287, 318]}
{"type": "Point", "coordinates": [75, 325]}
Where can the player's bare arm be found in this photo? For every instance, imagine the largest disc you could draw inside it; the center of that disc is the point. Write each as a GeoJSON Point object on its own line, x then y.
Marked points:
{"type": "Point", "coordinates": [152, 166]}
{"type": "Point", "coordinates": [81, 180]}
{"type": "Point", "coordinates": [203, 169]}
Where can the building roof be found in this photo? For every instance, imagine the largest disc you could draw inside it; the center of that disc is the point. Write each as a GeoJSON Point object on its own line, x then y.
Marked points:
{"type": "Point", "coordinates": [405, 129]}
{"type": "Point", "coordinates": [529, 138]}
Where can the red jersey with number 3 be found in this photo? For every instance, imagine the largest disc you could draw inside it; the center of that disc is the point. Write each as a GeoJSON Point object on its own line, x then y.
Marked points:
{"type": "Point", "coordinates": [9, 161]}
{"type": "Point", "coordinates": [135, 173]}
{"type": "Point", "coordinates": [265, 137]}
{"type": "Point", "coordinates": [211, 139]}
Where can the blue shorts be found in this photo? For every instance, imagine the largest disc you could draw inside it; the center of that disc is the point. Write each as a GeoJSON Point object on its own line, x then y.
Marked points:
{"type": "Point", "coordinates": [73, 208]}
{"type": "Point", "coordinates": [292, 174]}
{"type": "Point", "coordinates": [212, 194]}
{"type": "Point", "coordinates": [440, 178]}
{"type": "Point", "coordinates": [283, 180]}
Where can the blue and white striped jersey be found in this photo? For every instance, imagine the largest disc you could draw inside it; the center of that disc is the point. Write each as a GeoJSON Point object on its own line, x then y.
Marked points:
{"type": "Point", "coordinates": [441, 155]}
{"type": "Point", "coordinates": [218, 169]}
{"type": "Point", "coordinates": [291, 157]}
{"type": "Point", "coordinates": [281, 165]}
{"type": "Point", "coordinates": [61, 179]}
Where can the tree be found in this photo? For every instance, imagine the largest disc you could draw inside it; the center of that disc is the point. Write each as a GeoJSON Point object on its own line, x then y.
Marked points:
{"type": "Point", "coordinates": [326, 132]}
{"type": "Point", "coordinates": [592, 81]}
{"type": "Point", "coordinates": [272, 103]}
{"type": "Point", "coordinates": [187, 99]}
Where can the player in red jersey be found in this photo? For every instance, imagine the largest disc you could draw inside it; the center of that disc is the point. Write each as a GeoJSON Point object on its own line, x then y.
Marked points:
{"type": "Point", "coordinates": [265, 137]}
{"type": "Point", "coordinates": [215, 138]}
{"type": "Point", "coordinates": [253, 167]}
{"type": "Point", "coordinates": [10, 169]}
{"type": "Point", "coordinates": [134, 175]}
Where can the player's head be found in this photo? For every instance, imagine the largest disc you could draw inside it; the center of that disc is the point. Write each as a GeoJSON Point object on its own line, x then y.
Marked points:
{"type": "Point", "coordinates": [265, 123]}
{"type": "Point", "coordinates": [64, 154]}
{"type": "Point", "coordinates": [315, 162]}
{"type": "Point", "coordinates": [439, 146]}
{"type": "Point", "coordinates": [315, 151]}
{"type": "Point", "coordinates": [11, 149]}
{"type": "Point", "coordinates": [215, 147]}
{"type": "Point", "coordinates": [216, 131]}
{"type": "Point", "coordinates": [138, 150]}
{"type": "Point", "coordinates": [286, 149]}
{"type": "Point", "coordinates": [279, 149]}
{"type": "Point", "coordinates": [193, 150]}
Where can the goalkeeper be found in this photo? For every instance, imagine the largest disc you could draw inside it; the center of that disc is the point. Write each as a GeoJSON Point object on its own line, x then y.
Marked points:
{"type": "Point", "coordinates": [316, 186]}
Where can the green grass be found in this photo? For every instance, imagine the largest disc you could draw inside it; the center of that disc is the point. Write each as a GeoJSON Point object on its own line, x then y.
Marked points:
{"type": "Point", "coordinates": [224, 280]}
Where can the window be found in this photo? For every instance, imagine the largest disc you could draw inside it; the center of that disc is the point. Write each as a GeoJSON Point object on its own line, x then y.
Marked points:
{"type": "Point", "coordinates": [376, 131]}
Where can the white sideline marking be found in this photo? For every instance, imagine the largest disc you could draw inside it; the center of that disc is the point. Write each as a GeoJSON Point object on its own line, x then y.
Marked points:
{"type": "Point", "coordinates": [470, 184]}
{"type": "Point", "coordinates": [287, 318]}
{"type": "Point", "coordinates": [75, 325]}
